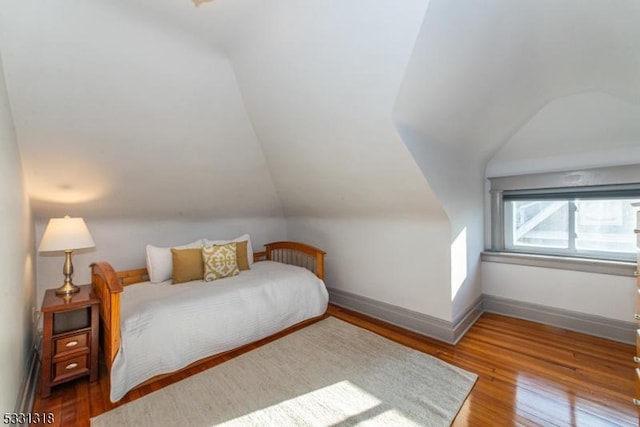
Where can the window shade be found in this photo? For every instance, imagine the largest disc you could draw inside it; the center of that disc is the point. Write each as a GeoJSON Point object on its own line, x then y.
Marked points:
{"type": "Point", "coordinates": [628, 191]}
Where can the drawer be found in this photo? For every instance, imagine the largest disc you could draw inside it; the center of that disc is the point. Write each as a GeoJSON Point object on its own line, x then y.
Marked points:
{"type": "Point", "coordinates": [70, 367]}
{"type": "Point", "coordinates": [73, 343]}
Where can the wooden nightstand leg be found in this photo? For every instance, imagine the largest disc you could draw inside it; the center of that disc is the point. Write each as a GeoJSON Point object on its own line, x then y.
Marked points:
{"type": "Point", "coordinates": [95, 327]}
{"type": "Point", "coordinates": [45, 392]}
{"type": "Point", "coordinates": [45, 366]}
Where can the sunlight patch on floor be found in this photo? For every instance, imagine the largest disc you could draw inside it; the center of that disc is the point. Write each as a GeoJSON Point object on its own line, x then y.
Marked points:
{"type": "Point", "coordinates": [340, 404]}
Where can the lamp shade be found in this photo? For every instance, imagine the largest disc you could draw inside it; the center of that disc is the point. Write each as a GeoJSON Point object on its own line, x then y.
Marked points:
{"type": "Point", "coordinates": [64, 234]}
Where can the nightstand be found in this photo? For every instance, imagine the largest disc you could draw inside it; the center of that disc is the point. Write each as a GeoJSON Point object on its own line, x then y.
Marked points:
{"type": "Point", "coordinates": [70, 338]}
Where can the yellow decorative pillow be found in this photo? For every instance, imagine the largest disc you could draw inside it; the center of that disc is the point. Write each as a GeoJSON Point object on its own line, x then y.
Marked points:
{"type": "Point", "coordinates": [219, 261]}
{"type": "Point", "coordinates": [241, 255]}
{"type": "Point", "coordinates": [187, 265]}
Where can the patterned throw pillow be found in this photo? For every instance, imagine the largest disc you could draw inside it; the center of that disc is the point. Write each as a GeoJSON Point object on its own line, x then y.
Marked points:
{"type": "Point", "coordinates": [219, 261]}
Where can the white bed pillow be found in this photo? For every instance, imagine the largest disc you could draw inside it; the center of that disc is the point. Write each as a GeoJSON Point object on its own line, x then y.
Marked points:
{"type": "Point", "coordinates": [160, 262]}
{"type": "Point", "coordinates": [242, 238]}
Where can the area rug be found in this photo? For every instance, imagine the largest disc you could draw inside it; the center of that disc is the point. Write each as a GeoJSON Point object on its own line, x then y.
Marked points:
{"type": "Point", "coordinates": [330, 373]}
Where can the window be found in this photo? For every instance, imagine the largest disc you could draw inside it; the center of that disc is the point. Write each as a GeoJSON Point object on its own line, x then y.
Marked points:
{"type": "Point", "coordinates": [594, 224]}
{"type": "Point", "coordinates": [573, 219]}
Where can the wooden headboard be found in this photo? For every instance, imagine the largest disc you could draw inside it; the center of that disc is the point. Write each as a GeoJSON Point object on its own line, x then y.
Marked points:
{"type": "Point", "coordinates": [108, 284]}
{"type": "Point", "coordinates": [293, 253]}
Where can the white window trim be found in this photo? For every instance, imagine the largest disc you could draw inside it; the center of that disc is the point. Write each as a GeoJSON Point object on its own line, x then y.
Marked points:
{"type": "Point", "coordinates": [586, 265]}
{"type": "Point", "coordinates": [615, 175]}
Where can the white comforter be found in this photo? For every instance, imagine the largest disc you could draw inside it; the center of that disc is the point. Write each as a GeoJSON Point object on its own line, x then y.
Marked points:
{"type": "Point", "coordinates": [166, 327]}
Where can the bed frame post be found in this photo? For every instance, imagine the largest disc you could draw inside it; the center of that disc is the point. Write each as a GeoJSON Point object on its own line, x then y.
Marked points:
{"type": "Point", "coordinates": [107, 286]}
{"type": "Point", "coordinates": [320, 264]}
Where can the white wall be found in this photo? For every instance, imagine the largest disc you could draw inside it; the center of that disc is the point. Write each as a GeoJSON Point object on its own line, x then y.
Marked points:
{"type": "Point", "coordinates": [456, 179]}
{"type": "Point", "coordinates": [609, 296]}
{"type": "Point", "coordinates": [123, 242]}
{"type": "Point", "coordinates": [16, 262]}
{"type": "Point", "coordinates": [451, 163]}
{"type": "Point", "coordinates": [397, 260]}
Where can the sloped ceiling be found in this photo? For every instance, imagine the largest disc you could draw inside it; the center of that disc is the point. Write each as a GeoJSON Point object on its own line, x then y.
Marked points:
{"type": "Point", "coordinates": [583, 130]}
{"type": "Point", "coordinates": [482, 70]}
{"type": "Point", "coordinates": [118, 117]}
{"type": "Point", "coordinates": [144, 108]}
{"type": "Point", "coordinates": [235, 108]}
{"type": "Point", "coordinates": [329, 76]}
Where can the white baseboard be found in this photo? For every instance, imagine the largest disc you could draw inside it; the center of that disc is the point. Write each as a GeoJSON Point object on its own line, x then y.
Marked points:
{"type": "Point", "coordinates": [598, 326]}
{"type": "Point", "coordinates": [452, 332]}
{"type": "Point", "coordinates": [28, 389]}
{"type": "Point", "coordinates": [449, 332]}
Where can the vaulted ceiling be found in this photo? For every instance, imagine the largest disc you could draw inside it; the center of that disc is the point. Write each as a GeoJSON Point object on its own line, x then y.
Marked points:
{"type": "Point", "coordinates": [156, 108]}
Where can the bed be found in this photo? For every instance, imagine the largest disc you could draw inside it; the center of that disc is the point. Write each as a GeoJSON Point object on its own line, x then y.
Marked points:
{"type": "Point", "coordinates": [149, 330]}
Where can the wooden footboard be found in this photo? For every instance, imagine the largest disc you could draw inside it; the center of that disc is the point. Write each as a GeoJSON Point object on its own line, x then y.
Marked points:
{"type": "Point", "coordinates": [107, 288]}
{"type": "Point", "coordinates": [108, 284]}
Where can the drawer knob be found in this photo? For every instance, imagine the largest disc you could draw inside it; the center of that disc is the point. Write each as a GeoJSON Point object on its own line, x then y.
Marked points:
{"type": "Point", "coordinates": [71, 365]}
{"type": "Point", "coordinates": [636, 316]}
{"type": "Point", "coordinates": [636, 402]}
{"type": "Point", "coordinates": [636, 359]}
{"type": "Point", "coordinates": [71, 344]}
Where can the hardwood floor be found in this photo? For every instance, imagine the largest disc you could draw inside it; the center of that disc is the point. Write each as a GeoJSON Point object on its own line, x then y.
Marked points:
{"type": "Point", "coordinates": [529, 374]}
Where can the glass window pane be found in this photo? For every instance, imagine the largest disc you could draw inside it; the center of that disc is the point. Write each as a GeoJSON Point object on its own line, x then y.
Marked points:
{"type": "Point", "coordinates": [606, 226]}
{"type": "Point", "coordinates": [539, 224]}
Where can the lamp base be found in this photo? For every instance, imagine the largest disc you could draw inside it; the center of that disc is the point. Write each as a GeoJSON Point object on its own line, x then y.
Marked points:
{"type": "Point", "coordinates": [67, 289]}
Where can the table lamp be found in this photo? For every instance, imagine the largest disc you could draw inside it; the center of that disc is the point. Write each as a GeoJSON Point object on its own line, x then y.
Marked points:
{"type": "Point", "coordinates": [66, 234]}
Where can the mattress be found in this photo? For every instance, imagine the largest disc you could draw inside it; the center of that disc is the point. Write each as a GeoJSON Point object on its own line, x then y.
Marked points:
{"type": "Point", "coordinates": [166, 327]}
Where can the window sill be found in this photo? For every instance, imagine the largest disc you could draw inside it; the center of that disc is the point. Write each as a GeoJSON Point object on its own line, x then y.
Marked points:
{"type": "Point", "coordinates": [587, 265]}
